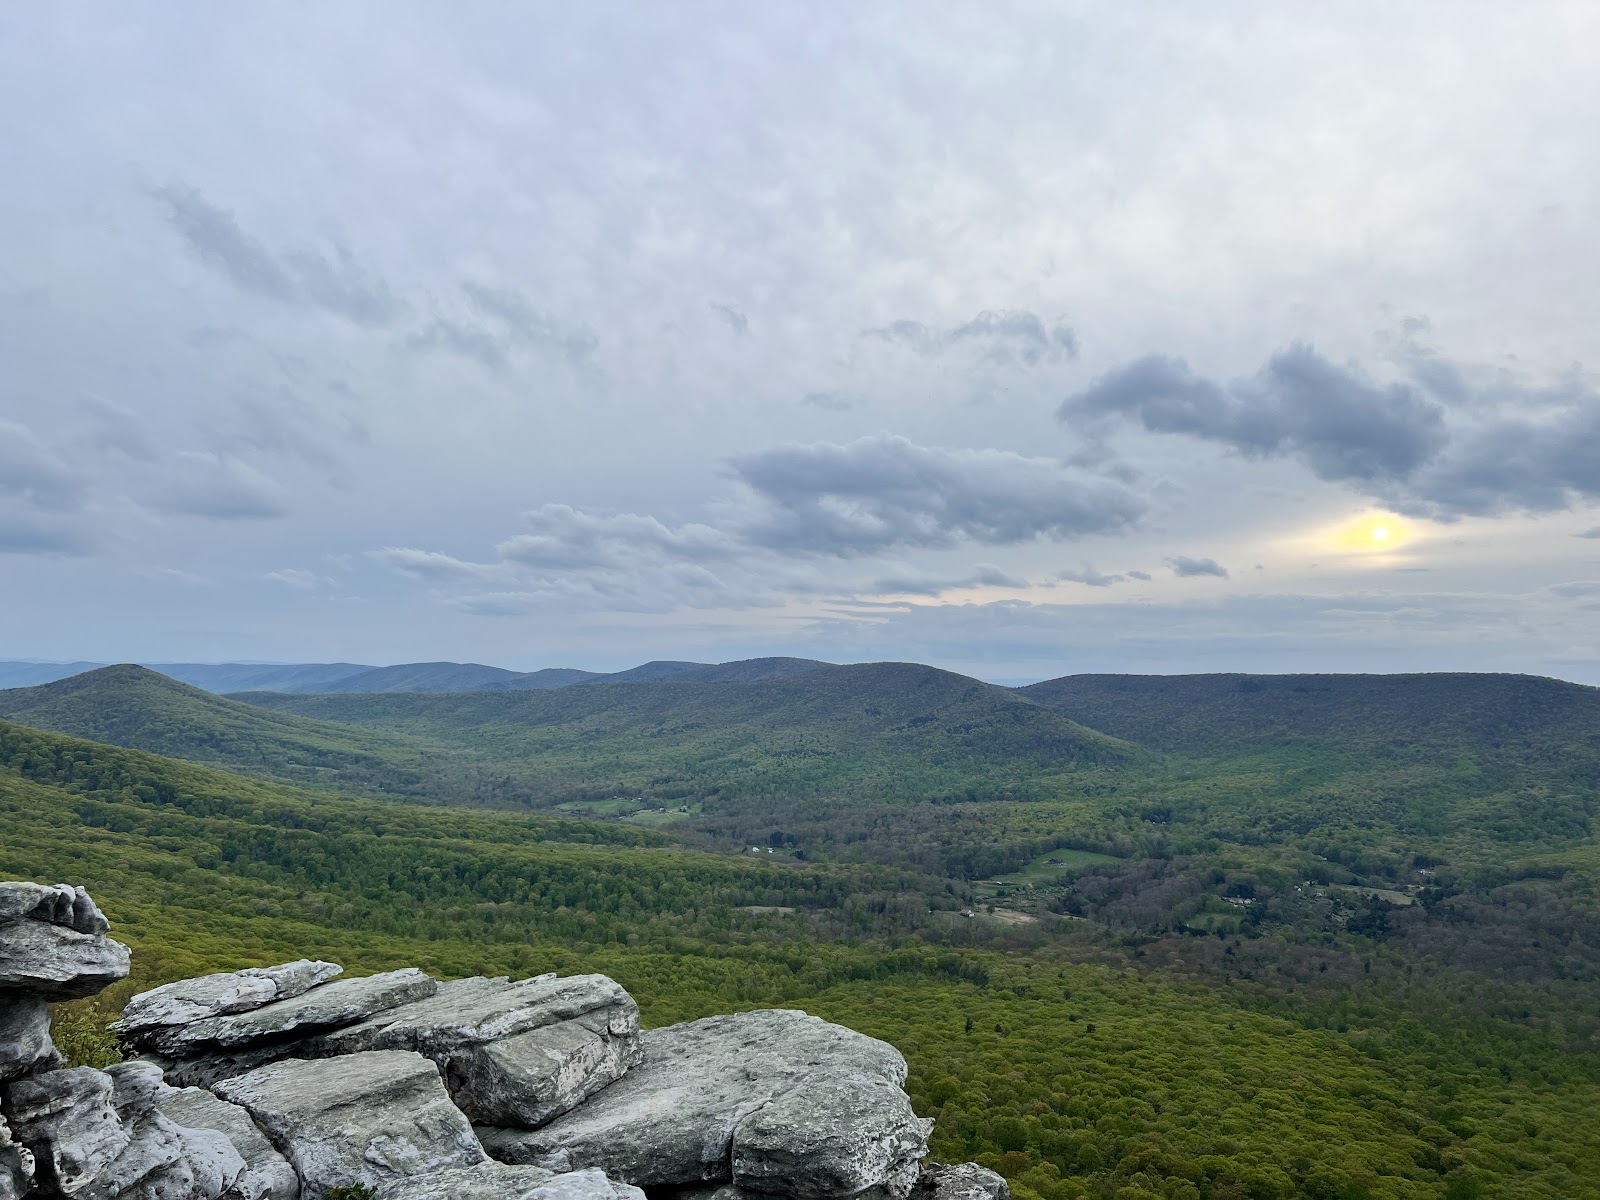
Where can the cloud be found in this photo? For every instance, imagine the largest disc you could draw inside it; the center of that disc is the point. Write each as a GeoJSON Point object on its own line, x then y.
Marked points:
{"type": "Point", "coordinates": [35, 473]}
{"type": "Point", "coordinates": [829, 401]}
{"type": "Point", "coordinates": [1589, 533]}
{"type": "Point", "coordinates": [301, 277]}
{"type": "Point", "coordinates": [1142, 576]}
{"type": "Point", "coordinates": [527, 325]}
{"type": "Point", "coordinates": [563, 537]}
{"type": "Point", "coordinates": [735, 319]}
{"type": "Point", "coordinates": [884, 492]}
{"type": "Point", "coordinates": [572, 559]}
{"type": "Point", "coordinates": [1445, 444]}
{"type": "Point", "coordinates": [431, 565]}
{"type": "Point", "coordinates": [1577, 589]}
{"type": "Point", "coordinates": [295, 577]}
{"type": "Point", "coordinates": [1006, 337]}
{"type": "Point", "coordinates": [983, 575]}
{"type": "Point", "coordinates": [1091, 577]}
{"type": "Point", "coordinates": [1344, 426]}
{"type": "Point", "coordinates": [442, 335]}
{"type": "Point", "coordinates": [28, 531]}
{"type": "Point", "coordinates": [1186, 568]}
{"type": "Point", "coordinates": [219, 487]}
{"type": "Point", "coordinates": [175, 575]}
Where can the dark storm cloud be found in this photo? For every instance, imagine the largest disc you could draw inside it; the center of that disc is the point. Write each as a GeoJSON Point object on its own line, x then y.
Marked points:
{"type": "Point", "coordinates": [1530, 461]}
{"type": "Point", "coordinates": [883, 492]}
{"type": "Point", "coordinates": [1343, 425]}
{"type": "Point", "coordinates": [1438, 445]}
{"type": "Point", "coordinates": [1185, 567]}
{"type": "Point", "coordinates": [1006, 336]}
{"type": "Point", "coordinates": [301, 277]}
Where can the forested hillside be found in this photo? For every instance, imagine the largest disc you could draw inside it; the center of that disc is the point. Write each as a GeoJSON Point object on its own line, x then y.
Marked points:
{"type": "Point", "coordinates": [135, 707]}
{"type": "Point", "coordinates": [1319, 936]}
{"type": "Point", "coordinates": [1077, 1063]}
{"type": "Point", "coordinates": [880, 731]}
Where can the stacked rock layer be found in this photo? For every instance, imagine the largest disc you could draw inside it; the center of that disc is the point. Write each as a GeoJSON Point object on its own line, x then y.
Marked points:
{"type": "Point", "coordinates": [283, 1083]}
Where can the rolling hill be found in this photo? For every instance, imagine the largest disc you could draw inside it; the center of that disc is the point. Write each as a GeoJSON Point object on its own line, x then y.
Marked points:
{"type": "Point", "coordinates": [1509, 721]}
{"type": "Point", "coordinates": [135, 707]}
{"type": "Point", "coordinates": [895, 731]}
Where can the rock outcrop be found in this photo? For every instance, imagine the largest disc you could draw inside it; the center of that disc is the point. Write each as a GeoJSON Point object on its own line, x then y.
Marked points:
{"type": "Point", "coordinates": [968, 1181]}
{"type": "Point", "coordinates": [696, 1111]}
{"type": "Point", "coordinates": [178, 1004]}
{"type": "Point", "coordinates": [16, 1165]}
{"type": "Point", "coordinates": [367, 1118]}
{"type": "Point", "coordinates": [280, 1083]}
{"type": "Point", "coordinates": [25, 1044]}
{"type": "Point", "coordinates": [267, 1174]}
{"type": "Point", "coordinates": [53, 943]}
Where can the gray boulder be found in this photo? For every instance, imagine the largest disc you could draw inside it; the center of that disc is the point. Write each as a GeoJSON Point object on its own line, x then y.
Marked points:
{"type": "Point", "coordinates": [832, 1137]}
{"type": "Point", "coordinates": [366, 1118]}
{"type": "Point", "coordinates": [496, 1181]}
{"type": "Point", "coordinates": [25, 1035]}
{"type": "Point", "coordinates": [267, 1174]}
{"type": "Point", "coordinates": [57, 904]}
{"type": "Point", "coordinates": [53, 942]}
{"type": "Point", "coordinates": [162, 1159]}
{"type": "Point", "coordinates": [165, 1161]}
{"type": "Point", "coordinates": [968, 1181]}
{"type": "Point", "coordinates": [66, 1119]}
{"type": "Point", "coordinates": [342, 1002]}
{"type": "Point", "coordinates": [512, 1053]}
{"type": "Point", "coordinates": [16, 1165]}
{"type": "Point", "coordinates": [684, 1116]}
{"type": "Point", "coordinates": [191, 1000]}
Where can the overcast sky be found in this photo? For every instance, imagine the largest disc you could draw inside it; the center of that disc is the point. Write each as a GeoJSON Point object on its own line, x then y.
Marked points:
{"type": "Point", "coordinates": [1018, 338]}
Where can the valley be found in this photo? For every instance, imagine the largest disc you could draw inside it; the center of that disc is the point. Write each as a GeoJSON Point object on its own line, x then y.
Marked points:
{"type": "Point", "coordinates": [1209, 936]}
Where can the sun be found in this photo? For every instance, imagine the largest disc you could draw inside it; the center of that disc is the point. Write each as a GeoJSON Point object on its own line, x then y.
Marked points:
{"type": "Point", "coordinates": [1374, 533]}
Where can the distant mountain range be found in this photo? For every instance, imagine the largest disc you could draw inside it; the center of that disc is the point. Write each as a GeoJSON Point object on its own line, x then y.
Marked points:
{"type": "Point", "coordinates": [348, 678]}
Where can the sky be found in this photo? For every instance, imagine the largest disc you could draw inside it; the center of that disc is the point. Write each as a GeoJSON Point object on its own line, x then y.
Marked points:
{"type": "Point", "coordinates": [1019, 338]}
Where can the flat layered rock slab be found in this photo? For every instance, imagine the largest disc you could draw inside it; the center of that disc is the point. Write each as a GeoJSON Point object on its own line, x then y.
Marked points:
{"type": "Point", "coordinates": [512, 1053]}
{"type": "Point", "coordinates": [53, 942]}
{"type": "Point", "coordinates": [190, 1000]}
{"type": "Point", "coordinates": [467, 1012]}
{"type": "Point", "coordinates": [497, 1181]}
{"type": "Point", "coordinates": [341, 1002]}
{"type": "Point", "coordinates": [675, 1119]}
{"type": "Point", "coordinates": [369, 1118]}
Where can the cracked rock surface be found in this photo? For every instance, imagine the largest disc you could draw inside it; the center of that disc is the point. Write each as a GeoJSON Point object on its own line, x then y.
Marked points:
{"type": "Point", "coordinates": [690, 1113]}
{"type": "Point", "coordinates": [367, 1118]}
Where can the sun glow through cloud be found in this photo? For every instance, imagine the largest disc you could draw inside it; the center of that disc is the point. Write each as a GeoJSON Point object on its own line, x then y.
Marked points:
{"type": "Point", "coordinates": [1373, 533]}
